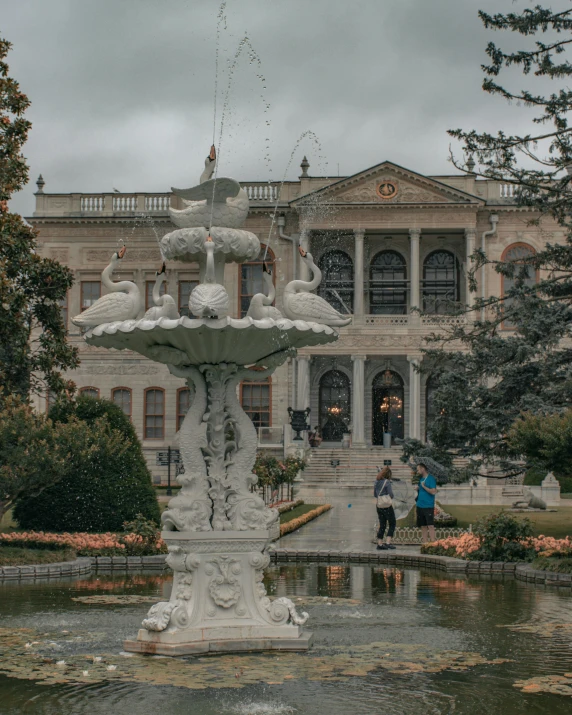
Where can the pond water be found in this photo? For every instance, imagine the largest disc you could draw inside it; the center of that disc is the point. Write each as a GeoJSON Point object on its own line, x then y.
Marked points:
{"type": "Point", "coordinates": [385, 640]}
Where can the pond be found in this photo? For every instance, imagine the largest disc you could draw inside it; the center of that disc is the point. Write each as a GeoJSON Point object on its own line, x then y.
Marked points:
{"type": "Point", "coordinates": [385, 640]}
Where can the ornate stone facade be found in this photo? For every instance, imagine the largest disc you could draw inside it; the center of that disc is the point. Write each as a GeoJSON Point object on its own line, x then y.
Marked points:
{"type": "Point", "coordinates": [415, 220]}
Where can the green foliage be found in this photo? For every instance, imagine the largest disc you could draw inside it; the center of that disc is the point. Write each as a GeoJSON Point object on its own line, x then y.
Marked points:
{"type": "Point", "coordinates": [273, 472]}
{"type": "Point", "coordinates": [553, 564]}
{"type": "Point", "coordinates": [33, 346]}
{"type": "Point", "coordinates": [105, 481]}
{"type": "Point", "coordinates": [500, 536]}
{"type": "Point", "coordinates": [31, 453]}
{"type": "Point", "coordinates": [414, 449]}
{"type": "Point", "coordinates": [148, 533]}
{"type": "Point", "coordinates": [498, 374]}
{"type": "Point", "coordinates": [544, 440]}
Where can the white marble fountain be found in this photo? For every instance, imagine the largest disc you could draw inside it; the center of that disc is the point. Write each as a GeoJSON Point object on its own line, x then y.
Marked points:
{"type": "Point", "coordinates": [216, 529]}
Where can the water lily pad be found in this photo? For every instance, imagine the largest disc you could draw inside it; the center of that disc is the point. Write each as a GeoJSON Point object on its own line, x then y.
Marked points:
{"type": "Point", "coordinates": [555, 684]}
{"type": "Point", "coordinates": [337, 663]}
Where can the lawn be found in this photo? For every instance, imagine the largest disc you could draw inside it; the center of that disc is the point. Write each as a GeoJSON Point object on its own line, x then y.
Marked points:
{"type": "Point", "coordinates": [18, 556]}
{"type": "Point", "coordinates": [550, 523]}
{"type": "Point", "coordinates": [296, 512]}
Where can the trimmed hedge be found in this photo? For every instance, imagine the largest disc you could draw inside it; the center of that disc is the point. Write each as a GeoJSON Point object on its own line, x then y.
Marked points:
{"type": "Point", "coordinates": [107, 481]}
{"type": "Point", "coordinates": [294, 524]}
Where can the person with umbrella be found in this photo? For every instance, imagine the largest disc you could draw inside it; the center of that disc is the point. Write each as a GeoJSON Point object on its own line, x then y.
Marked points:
{"type": "Point", "coordinates": [425, 502]}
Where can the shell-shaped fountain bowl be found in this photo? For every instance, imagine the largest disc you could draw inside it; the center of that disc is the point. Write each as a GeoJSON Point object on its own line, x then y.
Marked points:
{"type": "Point", "coordinates": [189, 341]}
{"type": "Point", "coordinates": [188, 244]}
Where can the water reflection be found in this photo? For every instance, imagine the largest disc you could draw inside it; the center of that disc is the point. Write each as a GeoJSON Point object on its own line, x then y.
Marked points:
{"type": "Point", "coordinates": [434, 636]}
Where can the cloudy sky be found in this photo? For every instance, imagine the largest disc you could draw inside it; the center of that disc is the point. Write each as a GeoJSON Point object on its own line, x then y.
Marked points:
{"type": "Point", "coordinates": [122, 90]}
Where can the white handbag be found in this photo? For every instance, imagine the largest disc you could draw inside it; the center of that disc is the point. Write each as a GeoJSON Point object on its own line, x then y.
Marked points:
{"type": "Point", "coordinates": [384, 501]}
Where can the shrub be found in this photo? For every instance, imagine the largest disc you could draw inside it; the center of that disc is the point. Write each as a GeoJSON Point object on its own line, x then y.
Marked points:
{"type": "Point", "coordinates": [105, 481]}
{"type": "Point", "coordinates": [502, 538]}
{"type": "Point", "coordinates": [294, 524]}
{"type": "Point", "coordinates": [85, 544]}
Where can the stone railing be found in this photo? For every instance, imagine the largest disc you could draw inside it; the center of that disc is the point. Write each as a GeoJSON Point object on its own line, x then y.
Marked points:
{"type": "Point", "coordinates": [124, 203]}
{"type": "Point", "coordinates": [443, 319]}
{"type": "Point", "coordinates": [413, 535]}
{"type": "Point", "coordinates": [386, 320]}
{"type": "Point", "coordinates": [507, 191]}
{"type": "Point", "coordinates": [261, 192]}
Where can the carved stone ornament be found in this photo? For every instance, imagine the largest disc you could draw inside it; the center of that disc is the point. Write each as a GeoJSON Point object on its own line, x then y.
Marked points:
{"type": "Point", "coordinates": [224, 586]}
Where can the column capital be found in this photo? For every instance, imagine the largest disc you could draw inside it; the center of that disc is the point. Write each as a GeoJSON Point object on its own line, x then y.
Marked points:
{"type": "Point", "coordinates": [415, 359]}
{"type": "Point", "coordinates": [470, 232]}
{"type": "Point", "coordinates": [415, 233]}
{"type": "Point", "coordinates": [359, 357]}
{"type": "Point", "coordinates": [307, 358]}
{"type": "Point", "coordinates": [359, 234]}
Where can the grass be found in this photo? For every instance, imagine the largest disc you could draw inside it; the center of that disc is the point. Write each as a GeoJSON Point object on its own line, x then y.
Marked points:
{"type": "Point", "coordinates": [296, 512]}
{"type": "Point", "coordinates": [557, 524]}
{"type": "Point", "coordinates": [18, 556]}
{"type": "Point", "coordinates": [553, 564]}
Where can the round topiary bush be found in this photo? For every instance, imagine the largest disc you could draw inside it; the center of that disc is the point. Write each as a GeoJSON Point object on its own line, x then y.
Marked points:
{"type": "Point", "coordinates": [106, 480]}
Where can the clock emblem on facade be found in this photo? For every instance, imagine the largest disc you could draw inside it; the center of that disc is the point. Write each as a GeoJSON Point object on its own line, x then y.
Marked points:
{"type": "Point", "coordinates": [387, 189]}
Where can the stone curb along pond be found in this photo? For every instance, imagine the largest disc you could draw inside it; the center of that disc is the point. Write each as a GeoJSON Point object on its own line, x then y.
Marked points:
{"type": "Point", "coordinates": [84, 565]}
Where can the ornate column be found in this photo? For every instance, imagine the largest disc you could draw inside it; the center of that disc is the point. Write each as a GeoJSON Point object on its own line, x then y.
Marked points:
{"type": "Point", "coordinates": [303, 382]}
{"type": "Point", "coordinates": [358, 401]}
{"type": "Point", "coordinates": [470, 235]}
{"type": "Point", "coordinates": [359, 234]}
{"type": "Point", "coordinates": [414, 293]}
{"type": "Point", "coordinates": [303, 270]}
{"type": "Point", "coordinates": [414, 397]}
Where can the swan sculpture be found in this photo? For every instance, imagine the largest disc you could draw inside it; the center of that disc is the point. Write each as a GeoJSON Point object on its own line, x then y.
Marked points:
{"type": "Point", "coordinates": [209, 299]}
{"type": "Point", "coordinates": [213, 202]}
{"type": "Point", "coordinates": [122, 303]}
{"type": "Point", "coordinates": [261, 304]}
{"type": "Point", "coordinates": [300, 304]}
{"type": "Point", "coordinates": [164, 305]}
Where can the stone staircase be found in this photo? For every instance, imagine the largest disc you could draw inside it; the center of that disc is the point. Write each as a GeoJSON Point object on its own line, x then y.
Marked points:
{"type": "Point", "coordinates": [356, 470]}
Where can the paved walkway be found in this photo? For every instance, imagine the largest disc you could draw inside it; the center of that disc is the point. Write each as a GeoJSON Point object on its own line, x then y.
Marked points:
{"type": "Point", "coordinates": [349, 526]}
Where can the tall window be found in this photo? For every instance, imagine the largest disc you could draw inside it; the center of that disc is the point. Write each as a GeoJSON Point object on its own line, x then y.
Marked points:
{"type": "Point", "coordinates": [149, 285]}
{"type": "Point", "coordinates": [89, 391]}
{"type": "Point", "coordinates": [251, 278]}
{"type": "Point", "coordinates": [440, 282]}
{"type": "Point", "coordinates": [154, 413]}
{"type": "Point", "coordinates": [183, 404]}
{"type": "Point", "coordinates": [335, 405]}
{"type": "Point", "coordinates": [387, 406]}
{"type": "Point", "coordinates": [122, 398]}
{"type": "Point", "coordinates": [518, 253]}
{"type": "Point", "coordinates": [388, 284]}
{"type": "Point", "coordinates": [255, 398]}
{"type": "Point", "coordinates": [337, 286]}
{"type": "Point", "coordinates": [63, 302]}
{"type": "Point", "coordinates": [90, 292]}
{"type": "Point", "coordinates": [185, 290]}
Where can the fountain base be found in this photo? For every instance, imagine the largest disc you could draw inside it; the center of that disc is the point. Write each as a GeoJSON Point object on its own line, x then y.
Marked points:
{"type": "Point", "coordinates": [218, 602]}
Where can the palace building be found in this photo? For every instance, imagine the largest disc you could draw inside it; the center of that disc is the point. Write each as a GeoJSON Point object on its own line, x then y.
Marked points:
{"type": "Point", "coordinates": [386, 239]}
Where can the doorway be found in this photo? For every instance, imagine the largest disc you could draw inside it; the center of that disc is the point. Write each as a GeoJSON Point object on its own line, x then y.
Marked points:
{"type": "Point", "coordinates": [388, 406]}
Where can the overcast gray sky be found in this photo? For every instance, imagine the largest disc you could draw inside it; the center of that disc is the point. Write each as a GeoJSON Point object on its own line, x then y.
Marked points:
{"type": "Point", "coordinates": [122, 90]}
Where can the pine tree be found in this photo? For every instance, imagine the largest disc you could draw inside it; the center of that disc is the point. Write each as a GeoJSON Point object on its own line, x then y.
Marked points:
{"type": "Point", "coordinates": [498, 374]}
{"type": "Point", "coordinates": [33, 347]}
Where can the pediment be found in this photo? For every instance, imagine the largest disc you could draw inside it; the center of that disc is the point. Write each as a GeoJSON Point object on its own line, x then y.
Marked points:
{"type": "Point", "coordinates": [389, 184]}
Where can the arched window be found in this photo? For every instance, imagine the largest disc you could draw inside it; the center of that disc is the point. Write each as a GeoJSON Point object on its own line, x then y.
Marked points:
{"type": "Point", "coordinates": [256, 401]}
{"type": "Point", "coordinates": [89, 391]}
{"type": "Point", "coordinates": [122, 398]}
{"type": "Point", "coordinates": [183, 404]}
{"type": "Point", "coordinates": [517, 253]}
{"type": "Point", "coordinates": [251, 278]}
{"type": "Point", "coordinates": [337, 286]}
{"type": "Point", "coordinates": [154, 413]}
{"type": "Point", "coordinates": [335, 405]}
{"type": "Point", "coordinates": [388, 284]}
{"type": "Point", "coordinates": [440, 282]}
{"type": "Point", "coordinates": [387, 406]}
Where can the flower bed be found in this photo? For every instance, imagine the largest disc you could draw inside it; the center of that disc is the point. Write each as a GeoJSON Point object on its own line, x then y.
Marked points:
{"type": "Point", "coordinates": [86, 544]}
{"type": "Point", "coordinates": [294, 524]}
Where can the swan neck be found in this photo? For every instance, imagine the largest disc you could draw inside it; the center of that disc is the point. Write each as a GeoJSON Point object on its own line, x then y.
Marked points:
{"type": "Point", "coordinates": [157, 297]}
{"type": "Point", "coordinates": [106, 276]}
{"type": "Point", "coordinates": [208, 172]}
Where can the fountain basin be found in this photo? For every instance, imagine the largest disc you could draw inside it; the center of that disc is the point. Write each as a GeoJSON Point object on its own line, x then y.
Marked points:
{"type": "Point", "coordinates": [188, 341]}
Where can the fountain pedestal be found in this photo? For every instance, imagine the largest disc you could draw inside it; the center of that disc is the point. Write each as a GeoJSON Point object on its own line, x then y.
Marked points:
{"type": "Point", "coordinates": [218, 602]}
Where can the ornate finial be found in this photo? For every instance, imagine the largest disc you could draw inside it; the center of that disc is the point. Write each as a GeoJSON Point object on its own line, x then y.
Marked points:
{"type": "Point", "coordinates": [470, 164]}
{"type": "Point", "coordinates": [40, 183]}
{"type": "Point", "coordinates": [305, 165]}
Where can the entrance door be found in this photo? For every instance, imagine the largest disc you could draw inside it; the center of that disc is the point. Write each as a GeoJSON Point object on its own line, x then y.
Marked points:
{"type": "Point", "coordinates": [387, 403]}
{"type": "Point", "coordinates": [335, 413]}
